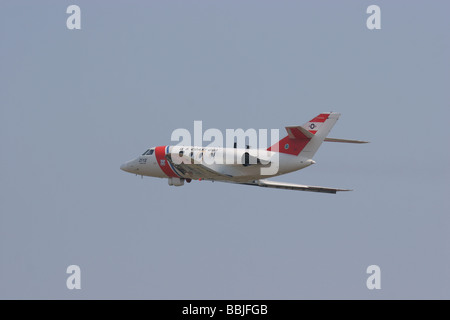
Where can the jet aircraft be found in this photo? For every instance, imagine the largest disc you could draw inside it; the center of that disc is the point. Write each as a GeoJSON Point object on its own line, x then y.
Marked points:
{"type": "Point", "coordinates": [180, 164]}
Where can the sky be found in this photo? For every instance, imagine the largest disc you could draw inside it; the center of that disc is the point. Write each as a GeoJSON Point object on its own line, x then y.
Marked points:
{"type": "Point", "coordinates": [76, 104]}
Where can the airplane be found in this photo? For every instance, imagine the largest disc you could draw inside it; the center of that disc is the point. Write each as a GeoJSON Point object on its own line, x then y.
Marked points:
{"type": "Point", "coordinates": [294, 152]}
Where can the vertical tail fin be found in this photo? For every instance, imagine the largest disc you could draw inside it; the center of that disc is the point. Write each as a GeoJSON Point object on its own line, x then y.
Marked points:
{"type": "Point", "coordinates": [320, 127]}
{"type": "Point", "coordinates": [305, 140]}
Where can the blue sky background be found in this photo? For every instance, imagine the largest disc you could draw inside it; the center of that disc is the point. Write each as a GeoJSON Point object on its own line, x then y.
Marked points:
{"type": "Point", "coordinates": [74, 105]}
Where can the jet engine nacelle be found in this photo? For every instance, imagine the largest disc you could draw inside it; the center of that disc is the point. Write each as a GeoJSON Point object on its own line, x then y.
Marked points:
{"type": "Point", "coordinates": [177, 182]}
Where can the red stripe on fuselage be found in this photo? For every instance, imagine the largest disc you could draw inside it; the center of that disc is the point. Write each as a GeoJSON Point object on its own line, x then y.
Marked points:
{"type": "Point", "coordinates": [163, 163]}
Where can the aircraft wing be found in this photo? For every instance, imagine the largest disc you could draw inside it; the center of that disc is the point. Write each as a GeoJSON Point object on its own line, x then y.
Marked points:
{"type": "Point", "coordinates": [291, 186]}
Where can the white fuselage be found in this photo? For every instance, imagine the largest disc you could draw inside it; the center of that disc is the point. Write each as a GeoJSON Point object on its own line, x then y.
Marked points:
{"type": "Point", "coordinates": [210, 163]}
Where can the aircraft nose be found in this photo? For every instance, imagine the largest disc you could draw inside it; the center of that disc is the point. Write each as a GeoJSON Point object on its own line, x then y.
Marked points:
{"type": "Point", "coordinates": [130, 166]}
{"type": "Point", "coordinates": [127, 167]}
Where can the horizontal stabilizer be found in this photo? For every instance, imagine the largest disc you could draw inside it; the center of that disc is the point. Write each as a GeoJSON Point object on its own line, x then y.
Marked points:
{"type": "Point", "coordinates": [344, 140]}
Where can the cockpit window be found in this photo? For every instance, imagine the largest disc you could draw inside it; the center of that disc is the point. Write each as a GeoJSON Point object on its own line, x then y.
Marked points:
{"type": "Point", "coordinates": [149, 152]}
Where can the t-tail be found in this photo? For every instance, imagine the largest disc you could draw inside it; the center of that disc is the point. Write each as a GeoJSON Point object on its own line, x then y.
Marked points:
{"type": "Point", "coordinates": [305, 140]}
